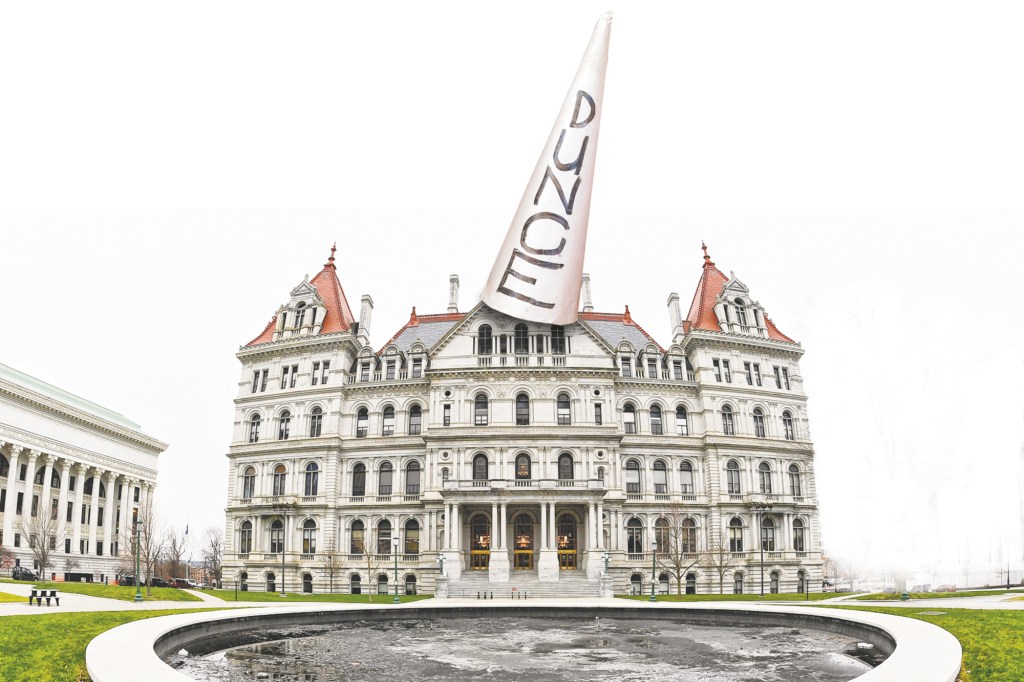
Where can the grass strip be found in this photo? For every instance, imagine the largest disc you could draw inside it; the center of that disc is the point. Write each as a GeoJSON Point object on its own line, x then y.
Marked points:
{"type": "Point", "coordinates": [119, 592]}
{"type": "Point", "coordinates": [7, 597]}
{"type": "Point", "coordinates": [797, 596]}
{"type": "Point", "coordinates": [52, 647]}
{"type": "Point", "coordinates": [991, 639]}
{"type": "Point", "coordinates": [889, 596]}
{"type": "Point", "coordinates": [276, 598]}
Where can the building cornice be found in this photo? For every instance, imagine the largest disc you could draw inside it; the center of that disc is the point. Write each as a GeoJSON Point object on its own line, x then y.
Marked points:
{"type": "Point", "coordinates": [291, 345]}
{"type": "Point", "coordinates": [723, 340]}
{"type": "Point", "coordinates": [87, 457]}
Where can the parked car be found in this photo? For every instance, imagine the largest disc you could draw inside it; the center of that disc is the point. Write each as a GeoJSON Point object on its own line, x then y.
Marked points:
{"type": "Point", "coordinates": [946, 588]}
{"type": "Point", "coordinates": [183, 583]}
{"type": "Point", "coordinates": [126, 581]}
{"type": "Point", "coordinates": [22, 573]}
{"type": "Point", "coordinates": [158, 582]}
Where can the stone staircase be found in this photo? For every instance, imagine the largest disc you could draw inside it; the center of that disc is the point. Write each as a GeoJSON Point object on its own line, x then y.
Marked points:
{"type": "Point", "coordinates": [521, 585]}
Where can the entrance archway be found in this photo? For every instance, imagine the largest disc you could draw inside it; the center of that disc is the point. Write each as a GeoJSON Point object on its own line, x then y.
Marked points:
{"type": "Point", "coordinates": [307, 583]}
{"type": "Point", "coordinates": [522, 531]}
{"type": "Point", "coordinates": [480, 542]}
{"type": "Point", "coordinates": [566, 541]}
{"type": "Point", "coordinates": [636, 584]}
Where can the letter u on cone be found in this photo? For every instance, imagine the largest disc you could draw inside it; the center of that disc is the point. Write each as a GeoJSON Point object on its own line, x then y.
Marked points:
{"type": "Point", "coordinates": [538, 271]}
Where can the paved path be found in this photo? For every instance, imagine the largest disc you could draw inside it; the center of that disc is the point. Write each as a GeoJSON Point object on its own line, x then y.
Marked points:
{"type": "Point", "coordinates": [995, 601]}
{"type": "Point", "coordinates": [70, 602]}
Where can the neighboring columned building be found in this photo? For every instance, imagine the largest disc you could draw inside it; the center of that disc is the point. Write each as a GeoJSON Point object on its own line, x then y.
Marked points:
{"type": "Point", "coordinates": [74, 470]}
{"type": "Point", "coordinates": [521, 453]}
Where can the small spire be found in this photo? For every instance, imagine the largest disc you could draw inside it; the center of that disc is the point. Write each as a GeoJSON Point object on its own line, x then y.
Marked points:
{"type": "Point", "coordinates": [626, 317]}
{"type": "Point", "coordinates": [413, 320]}
{"type": "Point", "coordinates": [707, 258]}
{"type": "Point", "coordinates": [330, 261]}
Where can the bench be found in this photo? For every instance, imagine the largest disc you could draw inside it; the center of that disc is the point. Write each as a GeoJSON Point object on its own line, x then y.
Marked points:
{"type": "Point", "coordinates": [39, 595]}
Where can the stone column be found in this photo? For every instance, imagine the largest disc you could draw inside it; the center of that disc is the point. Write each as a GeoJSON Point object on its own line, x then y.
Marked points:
{"type": "Point", "coordinates": [504, 526]}
{"type": "Point", "coordinates": [44, 497]}
{"type": "Point", "coordinates": [543, 525]}
{"type": "Point", "coordinates": [552, 528]}
{"type": "Point", "coordinates": [600, 525]}
{"type": "Point", "coordinates": [76, 512]}
{"type": "Point", "coordinates": [62, 503]}
{"type": "Point", "coordinates": [498, 565]}
{"type": "Point", "coordinates": [494, 525]}
{"type": "Point", "coordinates": [108, 514]}
{"type": "Point", "coordinates": [94, 511]}
{"type": "Point", "coordinates": [453, 546]}
{"type": "Point", "coordinates": [547, 565]}
{"type": "Point", "coordinates": [12, 495]}
{"type": "Point", "coordinates": [30, 475]}
{"type": "Point", "coordinates": [124, 529]}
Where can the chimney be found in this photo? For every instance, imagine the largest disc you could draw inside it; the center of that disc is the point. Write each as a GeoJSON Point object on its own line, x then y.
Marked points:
{"type": "Point", "coordinates": [453, 294]}
{"type": "Point", "coordinates": [674, 315]}
{"type": "Point", "coordinates": [588, 304]}
{"type": "Point", "coordinates": [365, 312]}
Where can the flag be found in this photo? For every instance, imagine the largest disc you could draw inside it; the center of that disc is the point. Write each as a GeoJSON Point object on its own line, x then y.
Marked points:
{"type": "Point", "coordinates": [186, 529]}
{"type": "Point", "coordinates": [538, 271]}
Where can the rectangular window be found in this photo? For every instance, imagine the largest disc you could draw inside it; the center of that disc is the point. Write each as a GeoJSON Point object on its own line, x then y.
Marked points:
{"type": "Point", "coordinates": [652, 368]}
{"type": "Point", "coordinates": [71, 484]}
{"type": "Point", "coordinates": [757, 374]}
{"type": "Point", "coordinates": [284, 376]}
{"type": "Point", "coordinates": [324, 369]}
{"type": "Point", "coordinates": [17, 539]}
{"type": "Point", "coordinates": [136, 495]}
{"type": "Point", "coordinates": [35, 505]}
{"type": "Point", "coordinates": [21, 499]}
{"type": "Point", "coordinates": [67, 545]}
{"type": "Point", "coordinates": [99, 548]}
{"type": "Point", "coordinates": [81, 546]}
{"type": "Point", "coordinates": [717, 364]}
{"type": "Point", "coordinates": [749, 374]}
{"type": "Point", "coordinates": [447, 414]}
{"type": "Point", "coordinates": [627, 367]}
{"type": "Point", "coordinates": [677, 370]}
{"type": "Point", "coordinates": [785, 377]}
{"type": "Point", "coordinates": [24, 470]}
{"type": "Point", "coordinates": [364, 372]}
{"type": "Point", "coordinates": [778, 377]}
{"type": "Point", "coordinates": [85, 514]}
{"type": "Point", "coordinates": [255, 381]}
{"type": "Point", "coordinates": [417, 368]}
{"type": "Point", "coordinates": [295, 376]}
{"type": "Point", "coordinates": [70, 513]}
{"type": "Point", "coordinates": [316, 374]}
{"type": "Point", "coordinates": [263, 380]}
{"type": "Point", "coordinates": [557, 340]}
{"type": "Point", "coordinates": [725, 371]}
{"type": "Point", "coordinates": [390, 376]}
{"type": "Point", "coordinates": [3, 499]}
{"type": "Point", "coordinates": [54, 508]}
{"type": "Point", "coordinates": [99, 517]}
{"type": "Point", "coordinates": [597, 414]}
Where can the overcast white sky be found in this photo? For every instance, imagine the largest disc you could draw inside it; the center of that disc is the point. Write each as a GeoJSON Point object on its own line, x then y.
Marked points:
{"type": "Point", "coordinates": [169, 173]}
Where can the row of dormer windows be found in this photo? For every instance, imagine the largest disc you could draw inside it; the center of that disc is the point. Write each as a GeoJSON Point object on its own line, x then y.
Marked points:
{"type": "Point", "coordinates": [654, 368]}
{"type": "Point", "coordinates": [521, 341]}
{"type": "Point", "coordinates": [751, 372]}
{"type": "Point", "coordinates": [290, 376]}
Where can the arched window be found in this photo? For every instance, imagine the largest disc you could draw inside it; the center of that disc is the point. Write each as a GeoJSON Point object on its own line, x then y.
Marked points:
{"type": "Point", "coordinates": [663, 583]}
{"type": "Point", "coordinates": [737, 583]}
{"type": "Point", "coordinates": [775, 582]}
{"type": "Point", "coordinates": [767, 535]}
{"type": "Point", "coordinates": [309, 536]}
{"type": "Point", "coordinates": [660, 478]}
{"type": "Point", "coordinates": [636, 584]}
{"type": "Point", "coordinates": [384, 479]}
{"type": "Point", "coordinates": [764, 475]}
{"type": "Point", "coordinates": [662, 535]}
{"type": "Point", "coordinates": [271, 582]}
{"type": "Point", "coordinates": [634, 536]}
{"type": "Point", "coordinates": [307, 583]}
{"type": "Point", "coordinates": [480, 467]}
{"type": "Point", "coordinates": [384, 537]}
{"type": "Point", "coordinates": [759, 429]}
{"type": "Point", "coordinates": [686, 478]}
{"type": "Point", "coordinates": [312, 482]}
{"type": "Point", "coordinates": [633, 477]}
{"type": "Point", "coordinates": [249, 483]}
{"type": "Point", "coordinates": [412, 536]}
{"type": "Point", "coordinates": [254, 428]}
{"type": "Point", "coordinates": [688, 536]}
{"type": "Point", "coordinates": [382, 583]}
{"type": "Point", "coordinates": [565, 467]}
{"type": "Point", "coordinates": [629, 418]}
{"type": "Point", "coordinates": [355, 584]}
{"type": "Point", "coordinates": [691, 583]}
{"type": "Point", "coordinates": [521, 342]}
{"type": "Point", "coordinates": [741, 312]}
{"type": "Point", "coordinates": [564, 410]}
{"type": "Point", "coordinates": [388, 422]}
{"type": "Point", "coordinates": [362, 422]}
{"type": "Point", "coordinates": [682, 428]}
{"type": "Point", "coordinates": [316, 422]}
{"type": "Point", "coordinates": [795, 488]}
{"type": "Point", "coordinates": [245, 538]}
{"type": "Point", "coordinates": [557, 339]}
{"type": "Point", "coordinates": [735, 534]}
{"type": "Point", "coordinates": [798, 536]}
{"type": "Point", "coordinates": [732, 474]}
{"type": "Point", "coordinates": [412, 478]}
{"type": "Point", "coordinates": [277, 536]}
{"type": "Point", "coordinates": [728, 426]}
{"type": "Point", "coordinates": [284, 425]}
{"type": "Point", "coordinates": [801, 582]}
{"type": "Point", "coordinates": [656, 420]}
{"type": "Point", "coordinates": [280, 479]}
{"type": "Point", "coordinates": [523, 467]}
{"type": "Point", "coordinates": [410, 584]}
{"type": "Point", "coordinates": [359, 480]}
{"type": "Point", "coordinates": [600, 474]}
{"type": "Point", "coordinates": [522, 410]}
{"type": "Point", "coordinates": [358, 534]}
{"type": "Point", "coordinates": [415, 420]}
{"type": "Point", "coordinates": [484, 341]}
{"type": "Point", "coordinates": [300, 314]}
{"type": "Point", "coordinates": [87, 489]}
{"type": "Point", "coordinates": [787, 425]}
{"type": "Point", "coordinates": [480, 410]}
{"type": "Point", "coordinates": [38, 479]}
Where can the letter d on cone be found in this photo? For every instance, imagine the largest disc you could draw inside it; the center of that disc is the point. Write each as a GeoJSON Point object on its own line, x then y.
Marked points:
{"type": "Point", "coordinates": [539, 268]}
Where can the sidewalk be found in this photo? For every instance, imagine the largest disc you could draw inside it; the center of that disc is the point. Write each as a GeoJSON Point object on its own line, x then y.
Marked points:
{"type": "Point", "coordinates": [76, 603]}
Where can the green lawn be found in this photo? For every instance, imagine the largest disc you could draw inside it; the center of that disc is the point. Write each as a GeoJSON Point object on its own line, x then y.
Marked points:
{"type": "Point", "coordinates": [276, 598]}
{"type": "Point", "coordinates": [52, 647]}
{"type": "Point", "coordinates": [798, 596]}
{"type": "Point", "coordinates": [8, 597]}
{"type": "Point", "coordinates": [992, 642]}
{"type": "Point", "coordinates": [119, 592]}
{"type": "Point", "coordinates": [881, 596]}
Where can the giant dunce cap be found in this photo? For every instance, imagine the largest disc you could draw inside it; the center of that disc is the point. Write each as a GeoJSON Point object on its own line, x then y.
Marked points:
{"type": "Point", "coordinates": [538, 271]}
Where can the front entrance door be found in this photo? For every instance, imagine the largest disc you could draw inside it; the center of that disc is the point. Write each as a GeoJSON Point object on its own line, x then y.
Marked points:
{"type": "Point", "coordinates": [480, 543]}
{"type": "Point", "coordinates": [566, 541]}
{"type": "Point", "coordinates": [522, 526]}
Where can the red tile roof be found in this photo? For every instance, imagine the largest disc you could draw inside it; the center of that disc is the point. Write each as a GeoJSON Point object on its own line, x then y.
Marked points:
{"type": "Point", "coordinates": [415, 321]}
{"type": "Point", "coordinates": [339, 316]}
{"type": "Point", "coordinates": [624, 318]}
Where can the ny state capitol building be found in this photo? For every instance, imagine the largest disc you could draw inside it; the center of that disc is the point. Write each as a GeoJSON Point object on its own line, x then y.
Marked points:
{"type": "Point", "coordinates": [521, 453]}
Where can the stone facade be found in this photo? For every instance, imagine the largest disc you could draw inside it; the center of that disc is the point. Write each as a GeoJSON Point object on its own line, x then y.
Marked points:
{"type": "Point", "coordinates": [511, 448]}
{"type": "Point", "coordinates": [85, 466]}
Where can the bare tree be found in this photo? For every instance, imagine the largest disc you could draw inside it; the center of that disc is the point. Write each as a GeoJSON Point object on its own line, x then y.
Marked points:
{"type": "Point", "coordinates": [213, 554]}
{"type": "Point", "coordinates": [151, 543]}
{"type": "Point", "coordinates": [375, 554]}
{"type": "Point", "coordinates": [6, 558]}
{"type": "Point", "coordinates": [176, 548]}
{"type": "Point", "coordinates": [679, 545]}
{"type": "Point", "coordinates": [330, 561]}
{"type": "Point", "coordinates": [71, 562]}
{"type": "Point", "coordinates": [43, 527]}
{"type": "Point", "coordinates": [720, 558]}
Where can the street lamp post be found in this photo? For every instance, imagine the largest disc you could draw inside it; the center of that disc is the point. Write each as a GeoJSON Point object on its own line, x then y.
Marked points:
{"type": "Point", "coordinates": [440, 564]}
{"type": "Point", "coordinates": [654, 567]}
{"type": "Point", "coordinates": [138, 541]}
{"type": "Point", "coordinates": [607, 559]}
{"type": "Point", "coordinates": [394, 547]}
{"type": "Point", "coordinates": [760, 508]}
{"type": "Point", "coordinates": [282, 563]}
